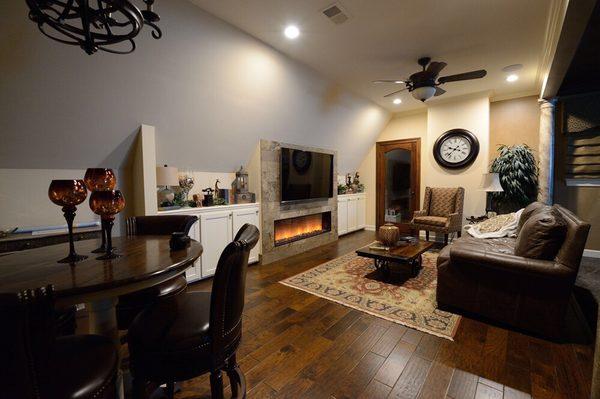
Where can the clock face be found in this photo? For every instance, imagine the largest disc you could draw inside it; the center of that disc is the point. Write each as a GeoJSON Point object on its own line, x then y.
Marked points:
{"type": "Point", "coordinates": [456, 148]}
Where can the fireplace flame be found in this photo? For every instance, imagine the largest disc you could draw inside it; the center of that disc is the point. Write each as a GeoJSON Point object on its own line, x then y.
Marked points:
{"type": "Point", "coordinates": [286, 230]}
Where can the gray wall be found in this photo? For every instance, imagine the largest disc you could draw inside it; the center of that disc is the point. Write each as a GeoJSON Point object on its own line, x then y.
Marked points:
{"type": "Point", "coordinates": [211, 91]}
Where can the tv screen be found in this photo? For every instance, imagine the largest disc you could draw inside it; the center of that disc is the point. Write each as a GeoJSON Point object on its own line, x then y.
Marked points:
{"type": "Point", "coordinates": [305, 175]}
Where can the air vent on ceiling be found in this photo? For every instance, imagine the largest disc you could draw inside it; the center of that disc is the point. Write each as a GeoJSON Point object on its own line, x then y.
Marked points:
{"type": "Point", "coordinates": [335, 14]}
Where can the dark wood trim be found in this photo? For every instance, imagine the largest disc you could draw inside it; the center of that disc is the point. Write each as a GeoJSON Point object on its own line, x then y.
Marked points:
{"type": "Point", "coordinates": [414, 145]}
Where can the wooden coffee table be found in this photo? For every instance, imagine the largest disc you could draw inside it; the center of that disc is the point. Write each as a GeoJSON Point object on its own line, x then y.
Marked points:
{"type": "Point", "coordinates": [406, 254]}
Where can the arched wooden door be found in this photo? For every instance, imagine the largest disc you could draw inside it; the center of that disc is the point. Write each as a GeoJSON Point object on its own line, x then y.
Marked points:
{"type": "Point", "coordinates": [398, 181]}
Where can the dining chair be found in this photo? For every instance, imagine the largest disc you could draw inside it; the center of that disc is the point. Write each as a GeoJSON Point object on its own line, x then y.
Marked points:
{"type": "Point", "coordinates": [130, 305]}
{"type": "Point", "coordinates": [184, 336]}
{"type": "Point", "coordinates": [36, 364]}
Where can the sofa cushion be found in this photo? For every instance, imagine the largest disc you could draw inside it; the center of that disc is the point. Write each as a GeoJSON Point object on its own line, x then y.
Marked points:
{"type": "Point", "coordinates": [432, 220]}
{"type": "Point", "coordinates": [542, 235]}
{"type": "Point", "coordinates": [529, 211]}
{"type": "Point", "coordinates": [442, 201]}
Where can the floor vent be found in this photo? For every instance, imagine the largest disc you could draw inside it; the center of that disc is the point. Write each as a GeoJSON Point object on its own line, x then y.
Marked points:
{"type": "Point", "coordinates": [335, 14]}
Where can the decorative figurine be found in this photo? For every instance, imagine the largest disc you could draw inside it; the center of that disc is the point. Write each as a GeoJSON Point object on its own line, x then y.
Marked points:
{"type": "Point", "coordinates": [208, 197]}
{"type": "Point", "coordinates": [186, 182]}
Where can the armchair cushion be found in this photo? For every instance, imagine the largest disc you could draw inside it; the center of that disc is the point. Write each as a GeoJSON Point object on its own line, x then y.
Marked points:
{"type": "Point", "coordinates": [442, 201]}
{"type": "Point", "coordinates": [542, 235]}
{"type": "Point", "coordinates": [431, 220]}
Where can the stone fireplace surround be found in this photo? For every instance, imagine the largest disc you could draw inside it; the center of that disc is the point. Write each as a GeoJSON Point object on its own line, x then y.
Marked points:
{"type": "Point", "coordinates": [272, 209]}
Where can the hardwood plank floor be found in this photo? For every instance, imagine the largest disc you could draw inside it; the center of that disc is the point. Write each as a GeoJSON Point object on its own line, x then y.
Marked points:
{"type": "Point", "coordinates": [297, 345]}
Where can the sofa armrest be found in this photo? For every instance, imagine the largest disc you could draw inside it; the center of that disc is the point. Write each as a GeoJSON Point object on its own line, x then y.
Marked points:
{"type": "Point", "coordinates": [422, 212]}
{"type": "Point", "coordinates": [511, 263]}
{"type": "Point", "coordinates": [453, 223]}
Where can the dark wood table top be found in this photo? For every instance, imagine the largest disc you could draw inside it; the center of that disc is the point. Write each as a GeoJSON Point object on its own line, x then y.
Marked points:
{"type": "Point", "coordinates": [403, 253]}
{"type": "Point", "coordinates": [146, 261]}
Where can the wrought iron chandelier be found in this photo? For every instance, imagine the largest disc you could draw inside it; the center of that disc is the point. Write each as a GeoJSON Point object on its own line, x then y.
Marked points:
{"type": "Point", "coordinates": [94, 24]}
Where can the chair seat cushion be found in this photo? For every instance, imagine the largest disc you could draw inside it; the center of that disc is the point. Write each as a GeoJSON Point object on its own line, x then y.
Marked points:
{"type": "Point", "coordinates": [431, 220]}
{"type": "Point", "coordinates": [84, 366]}
{"type": "Point", "coordinates": [170, 338]}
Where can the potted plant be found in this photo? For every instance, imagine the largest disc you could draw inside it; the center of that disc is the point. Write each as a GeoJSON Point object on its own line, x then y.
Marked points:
{"type": "Point", "coordinates": [518, 172]}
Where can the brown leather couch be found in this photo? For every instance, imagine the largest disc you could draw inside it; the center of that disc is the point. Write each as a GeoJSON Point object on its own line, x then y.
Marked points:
{"type": "Point", "coordinates": [484, 277]}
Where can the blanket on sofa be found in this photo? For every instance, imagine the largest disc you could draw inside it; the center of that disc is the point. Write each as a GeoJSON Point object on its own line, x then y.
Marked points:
{"type": "Point", "coordinates": [496, 227]}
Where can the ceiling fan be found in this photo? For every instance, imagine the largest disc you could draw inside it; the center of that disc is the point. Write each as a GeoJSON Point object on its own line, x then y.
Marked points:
{"type": "Point", "coordinates": [423, 84]}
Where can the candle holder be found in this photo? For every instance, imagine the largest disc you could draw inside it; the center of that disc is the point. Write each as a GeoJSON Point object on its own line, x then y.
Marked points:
{"type": "Point", "coordinates": [100, 179]}
{"type": "Point", "coordinates": [107, 204]}
{"type": "Point", "coordinates": [68, 194]}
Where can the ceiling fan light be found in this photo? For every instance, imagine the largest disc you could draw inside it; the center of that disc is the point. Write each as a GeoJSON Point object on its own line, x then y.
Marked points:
{"type": "Point", "coordinates": [423, 93]}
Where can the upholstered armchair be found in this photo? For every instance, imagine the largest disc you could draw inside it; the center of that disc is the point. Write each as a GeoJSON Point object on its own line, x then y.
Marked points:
{"type": "Point", "coordinates": [442, 211]}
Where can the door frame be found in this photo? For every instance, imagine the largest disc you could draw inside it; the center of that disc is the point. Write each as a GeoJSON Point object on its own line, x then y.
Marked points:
{"type": "Point", "coordinates": [381, 148]}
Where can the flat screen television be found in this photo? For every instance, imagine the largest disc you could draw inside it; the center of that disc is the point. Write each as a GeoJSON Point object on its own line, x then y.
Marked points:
{"type": "Point", "coordinates": [305, 175]}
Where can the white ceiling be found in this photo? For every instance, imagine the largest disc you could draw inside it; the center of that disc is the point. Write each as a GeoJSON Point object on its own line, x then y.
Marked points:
{"type": "Point", "coordinates": [383, 39]}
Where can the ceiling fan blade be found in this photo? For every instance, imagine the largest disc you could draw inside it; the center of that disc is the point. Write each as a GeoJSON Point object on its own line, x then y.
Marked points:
{"type": "Point", "coordinates": [395, 92]}
{"type": "Point", "coordinates": [439, 91]}
{"type": "Point", "coordinates": [397, 81]}
{"type": "Point", "coordinates": [463, 76]}
{"type": "Point", "coordinates": [436, 67]}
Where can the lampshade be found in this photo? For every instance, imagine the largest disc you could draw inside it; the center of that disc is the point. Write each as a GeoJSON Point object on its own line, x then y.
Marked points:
{"type": "Point", "coordinates": [491, 183]}
{"type": "Point", "coordinates": [167, 176]}
{"type": "Point", "coordinates": [423, 93]}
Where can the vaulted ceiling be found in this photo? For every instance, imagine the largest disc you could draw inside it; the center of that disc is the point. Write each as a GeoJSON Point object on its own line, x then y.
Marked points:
{"type": "Point", "coordinates": [382, 39]}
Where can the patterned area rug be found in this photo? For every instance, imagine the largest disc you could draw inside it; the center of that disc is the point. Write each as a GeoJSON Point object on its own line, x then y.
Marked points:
{"type": "Point", "coordinates": [353, 281]}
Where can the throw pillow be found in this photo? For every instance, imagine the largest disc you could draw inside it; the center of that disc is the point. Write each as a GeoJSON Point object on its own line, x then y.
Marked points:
{"type": "Point", "coordinates": [528, 212]}
{"type": "Point", "coordinates": [542, 235]}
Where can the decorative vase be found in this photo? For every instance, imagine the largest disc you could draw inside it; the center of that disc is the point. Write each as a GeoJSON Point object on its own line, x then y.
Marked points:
{"type": "Point", "coordinates": [107, 204]}
{"type": "Point", "coordinates": [389, 234]}
{"type": "Point", "coordinates": [100, 179]}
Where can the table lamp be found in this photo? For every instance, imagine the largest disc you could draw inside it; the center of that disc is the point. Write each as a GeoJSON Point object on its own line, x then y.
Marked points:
{"type": "Point", "coordinates": [491, 184]}
{"type": "Point", "coordinates": [166, 176]}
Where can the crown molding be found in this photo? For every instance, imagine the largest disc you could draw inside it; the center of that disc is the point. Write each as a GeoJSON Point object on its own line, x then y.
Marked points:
{"type": "Point", "coordinates": [554, 24]}
{"type": "Point", "coordinates": [512, 96]}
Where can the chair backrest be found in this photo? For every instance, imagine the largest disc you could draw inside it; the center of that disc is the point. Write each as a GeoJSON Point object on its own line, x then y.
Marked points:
{"type": "Point", "coordinates": [228, 290]}
{"type": "Point", "coordinates": [442, 201]}
{"type": "Point", "coordinates": [571, 251]}
{"type": "Point", "coordinates": [159, 225]}
{"type": "Point", "coordinates": [27, 338]}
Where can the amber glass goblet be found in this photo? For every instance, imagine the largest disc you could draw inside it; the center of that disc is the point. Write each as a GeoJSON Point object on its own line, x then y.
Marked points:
{"type": "Point", "coordinates": [107, 204]}
{"type": "Point", "coordinates": [68, 194]}
{"type": "Point", "coordinates": [100, 179]}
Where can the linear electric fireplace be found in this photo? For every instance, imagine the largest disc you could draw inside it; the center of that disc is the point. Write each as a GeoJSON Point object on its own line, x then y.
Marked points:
{"type": "Point", "coordinates": [301, 227]}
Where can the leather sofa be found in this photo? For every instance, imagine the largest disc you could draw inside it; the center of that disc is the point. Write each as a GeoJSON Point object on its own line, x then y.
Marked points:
{"type": "Point", "coordinates": [484, 277]}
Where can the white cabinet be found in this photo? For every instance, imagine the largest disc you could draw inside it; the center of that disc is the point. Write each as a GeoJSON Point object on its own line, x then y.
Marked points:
{"type": "Point", "coordinates": [342, 215]}
{"type": "Point", "coordinates": [241, 217]}
{"type": "Point", "coordinates": [352, 216]}
{"type": "Point", "coordinates": [215, 229]}
{"type": "Point", "coordinates": [194, 272]}
{"type": "Point", "coordinates": [352, 212]}
{"type": "Point", "coordinates": [215, 233]}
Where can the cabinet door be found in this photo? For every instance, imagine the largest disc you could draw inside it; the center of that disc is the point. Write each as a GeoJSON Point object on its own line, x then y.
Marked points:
{"type": "Point", "coordinates": [352, 222]}
{"type": "Point", "coordinates": [342, 216]}
{"type": "Point", "coordinates": [361, 212]}
{"type": "Point", "coordinates": [241, 217]}
{"type": "Point", "coordinates": [215, 234]}
{"type": "Point", "coordinates": [194, 272]}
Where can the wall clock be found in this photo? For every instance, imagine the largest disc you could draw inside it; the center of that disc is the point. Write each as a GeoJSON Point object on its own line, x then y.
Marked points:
{"type": "Point", "coordinates": [456, 148]}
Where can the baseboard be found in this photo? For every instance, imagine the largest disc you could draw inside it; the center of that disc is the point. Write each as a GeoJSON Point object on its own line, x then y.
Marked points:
{"type": "Point", "coordinates": [591, 253]}
{"type": "Point", "coordinates": [369, 227]}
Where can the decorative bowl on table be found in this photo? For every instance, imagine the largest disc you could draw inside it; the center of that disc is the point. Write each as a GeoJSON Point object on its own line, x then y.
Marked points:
{"type": "Point", "coordinates": [389, 234]}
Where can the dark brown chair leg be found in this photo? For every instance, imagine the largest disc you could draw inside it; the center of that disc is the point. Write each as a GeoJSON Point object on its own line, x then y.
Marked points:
{"type": "Point", "coordinates": [216, 384]}
{"type": "Point", "coordinates": [170, 390]}
{"type": "Point", "coordinates": [458, 233]}
{"type": "Point", "coordinates": [426, 235]}
{"type": "Point", "coordinates": [236, 379]}
{"type": "Point", "coordinates": [446, 239]}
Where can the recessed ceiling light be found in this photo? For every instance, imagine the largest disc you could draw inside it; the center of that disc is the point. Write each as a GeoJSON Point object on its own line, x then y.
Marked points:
{"type": "Point", "coordinates": [291, 31]}
{"type": "Point", "coordinates": [512, 78]}
{"type": "Point", "coordinates": [397, 101]}
{"type": "Point", "coordinates": [398, 81]}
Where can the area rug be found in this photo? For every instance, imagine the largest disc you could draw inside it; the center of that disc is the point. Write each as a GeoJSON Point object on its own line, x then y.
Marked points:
{"type": "Point", "coordinates": [353, 281]}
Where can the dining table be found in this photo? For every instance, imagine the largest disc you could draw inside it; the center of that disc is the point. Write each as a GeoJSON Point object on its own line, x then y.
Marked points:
{"type": "Point", "coordinates": [145, 261]}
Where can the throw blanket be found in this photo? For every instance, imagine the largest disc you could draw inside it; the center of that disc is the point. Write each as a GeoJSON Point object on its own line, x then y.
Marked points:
{"type": "Point", "coordinates": [496, 227]}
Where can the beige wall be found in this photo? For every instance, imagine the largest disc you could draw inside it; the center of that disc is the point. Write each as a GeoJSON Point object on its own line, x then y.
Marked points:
{"type": "Point", "coordinates": [515, 121]}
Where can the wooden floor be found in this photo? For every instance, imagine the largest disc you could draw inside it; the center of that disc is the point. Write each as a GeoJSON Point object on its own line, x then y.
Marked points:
{"type": "Point", "coordinates": [297, 345]}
